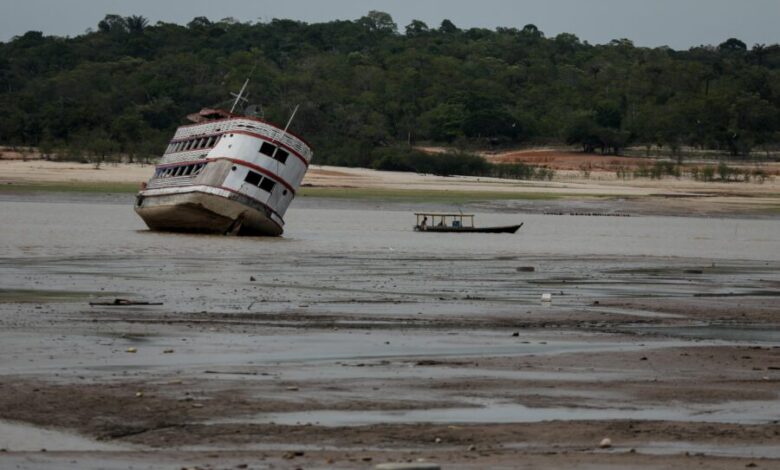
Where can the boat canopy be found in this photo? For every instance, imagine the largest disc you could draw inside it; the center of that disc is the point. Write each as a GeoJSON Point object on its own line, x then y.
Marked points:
{"type": "Point", "coordinates": [432, 219]}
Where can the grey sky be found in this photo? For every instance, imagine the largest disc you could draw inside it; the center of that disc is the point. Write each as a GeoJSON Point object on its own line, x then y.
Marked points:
{"type": "Point", "coordinates": [676, 23]}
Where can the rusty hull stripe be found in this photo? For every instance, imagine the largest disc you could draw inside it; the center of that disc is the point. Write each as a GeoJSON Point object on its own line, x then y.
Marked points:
{"type": "Point", "coordinates": [259, 169]}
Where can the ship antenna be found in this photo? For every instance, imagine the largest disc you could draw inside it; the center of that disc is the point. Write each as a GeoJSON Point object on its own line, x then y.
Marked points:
{"type": "Point", "coordinates": [240, 96]}
{"type": "Point", "coordinates": [289, 121]}
{"type": "Point", "coordinates": [284, 133]}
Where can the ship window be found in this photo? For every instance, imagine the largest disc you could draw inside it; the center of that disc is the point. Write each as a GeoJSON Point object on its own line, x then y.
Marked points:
{"type": "Point", "coordinates": [212, 140]}
{"type": "Point", "coordinates": [281, 155]}
{"type": "Point", "coordinates": [284, 193]}
{"type": "Point", "coordinates": [267, 149]}
{"type": "Point", "coordinates": [267, 184]}
{"type": "Point", "coordinates": [187, 170]}
{"type": "Point", "coordinates": [253, 178]}
{"type": "Point", "coordinates": [198, 168]}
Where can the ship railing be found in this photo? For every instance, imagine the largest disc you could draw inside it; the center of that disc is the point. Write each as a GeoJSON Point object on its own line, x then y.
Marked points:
{"type": "Point", "coordinates": [172, 182]}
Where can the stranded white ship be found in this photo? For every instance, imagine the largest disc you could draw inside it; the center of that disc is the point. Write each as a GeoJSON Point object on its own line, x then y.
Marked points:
{"type": "Point", "coordinates": [227, 174]}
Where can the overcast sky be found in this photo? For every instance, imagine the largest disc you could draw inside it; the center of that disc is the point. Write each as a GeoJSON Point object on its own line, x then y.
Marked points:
{"type": "Point", "coordinates": [676, 23]}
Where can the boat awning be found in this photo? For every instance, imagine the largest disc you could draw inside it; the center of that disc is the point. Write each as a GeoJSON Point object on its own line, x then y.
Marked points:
{"type": "Point", "coordinates": [443, 214]}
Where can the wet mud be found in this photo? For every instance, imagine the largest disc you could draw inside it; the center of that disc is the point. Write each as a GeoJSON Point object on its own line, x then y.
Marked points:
{"type": "Point", "coordinates": [353, 341]}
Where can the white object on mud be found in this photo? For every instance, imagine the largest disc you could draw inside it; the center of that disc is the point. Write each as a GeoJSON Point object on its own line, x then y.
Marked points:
{"type": "Point", "coordinates": [605, 443]}
{"type": "Point", "coordinates": [546, 297]}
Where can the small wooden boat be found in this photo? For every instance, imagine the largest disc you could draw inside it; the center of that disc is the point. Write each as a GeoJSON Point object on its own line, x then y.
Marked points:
{"type": "Point", "coordinates": [456, 223]}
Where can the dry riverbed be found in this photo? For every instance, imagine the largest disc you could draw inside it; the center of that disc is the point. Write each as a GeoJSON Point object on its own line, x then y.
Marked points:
{"type": "Point", "coordinates": [353, 342]}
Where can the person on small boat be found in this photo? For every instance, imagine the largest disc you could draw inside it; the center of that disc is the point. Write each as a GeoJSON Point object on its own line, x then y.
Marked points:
{"type": "Point", "coordinates": [424, 223]}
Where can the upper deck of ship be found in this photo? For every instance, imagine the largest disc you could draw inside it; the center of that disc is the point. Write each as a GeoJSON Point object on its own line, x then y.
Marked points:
{"type": "Point", "coordinates": [193, 141]}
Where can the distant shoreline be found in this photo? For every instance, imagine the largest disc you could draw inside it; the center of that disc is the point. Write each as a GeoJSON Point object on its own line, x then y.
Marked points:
{"type": "Point", "coordinates": [665, 196]}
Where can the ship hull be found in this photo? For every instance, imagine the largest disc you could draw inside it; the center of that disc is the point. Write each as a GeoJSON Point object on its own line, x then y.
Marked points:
{"type": "Point", "coordinates": [201, 212]}
{"type": "Point", "coordinates": [225, 174]}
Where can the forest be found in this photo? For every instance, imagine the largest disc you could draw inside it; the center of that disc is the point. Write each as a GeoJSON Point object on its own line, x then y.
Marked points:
{"type": "Point", "coordinates": [368, 89]}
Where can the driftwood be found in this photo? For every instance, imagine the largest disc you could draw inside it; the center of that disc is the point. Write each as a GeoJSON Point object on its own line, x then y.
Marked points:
{"type": "Point", "coordinates": [124, 302]}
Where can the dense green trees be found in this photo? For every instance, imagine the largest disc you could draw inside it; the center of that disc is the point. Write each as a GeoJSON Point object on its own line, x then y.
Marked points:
{"type": "Point", "coordinates": [368, 85]}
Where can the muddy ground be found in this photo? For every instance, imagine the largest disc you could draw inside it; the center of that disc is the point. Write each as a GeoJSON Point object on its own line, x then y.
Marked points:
{"type": "Point", "coordinates": [309, 352]}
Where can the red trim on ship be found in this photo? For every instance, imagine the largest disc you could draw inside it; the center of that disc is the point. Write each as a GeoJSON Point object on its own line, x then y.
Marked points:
{"type": "Point", "coordinates": [270, 141]}
{"type": "Point", "coordinates": [251, 134]}
{"type": "Point", "coordinates": [259, 169]}
{"type": "Point", "coordinates": [236, 116]}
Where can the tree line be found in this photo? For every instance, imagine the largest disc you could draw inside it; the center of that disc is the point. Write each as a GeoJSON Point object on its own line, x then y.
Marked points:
{"type": "Point", "coordinates": [367, 89]}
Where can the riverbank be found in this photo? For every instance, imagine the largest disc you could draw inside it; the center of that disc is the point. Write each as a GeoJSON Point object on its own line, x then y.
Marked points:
{"type": "Point", "coordinates": [600, 192]}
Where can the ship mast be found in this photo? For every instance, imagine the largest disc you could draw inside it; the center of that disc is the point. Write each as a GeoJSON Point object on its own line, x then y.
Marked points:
{"type": "Point", "coordinates": [240, 96]}
{"type": "Point", "coordinates": [284, 133]}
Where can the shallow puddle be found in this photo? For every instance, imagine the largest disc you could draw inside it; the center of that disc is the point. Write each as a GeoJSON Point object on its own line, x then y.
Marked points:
{"type": "Point", "coordinates": [716, 450]}
{"type": "Point", "coordinates": [747, 412]}
{"type": "Point", "coordinates": [20, 437]}
{"type": "Point", "coordinates": [713, 332]}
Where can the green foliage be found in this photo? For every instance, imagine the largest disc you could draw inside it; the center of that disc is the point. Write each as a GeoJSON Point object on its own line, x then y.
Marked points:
{"type": "Point", "coordinates": [657, 170]}
{"type": "Point", "coordinates": [459, 163]}
{"type": "Point", "coordinates": [708, 173]}
{"type": "Point", "coordinates": [443, 164]}
{"type": "Point", "coordinates": [364, 87]}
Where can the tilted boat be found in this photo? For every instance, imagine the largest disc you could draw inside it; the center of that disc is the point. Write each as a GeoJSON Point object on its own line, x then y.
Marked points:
{"type": "Point", "coordinates": [226, 173]}
{"type": "Point", "coordinates": [456, 223]}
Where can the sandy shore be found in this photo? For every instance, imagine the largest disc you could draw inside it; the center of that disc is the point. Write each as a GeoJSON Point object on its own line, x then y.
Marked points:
{"type": "Point", "coordinates": [566, 183]}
